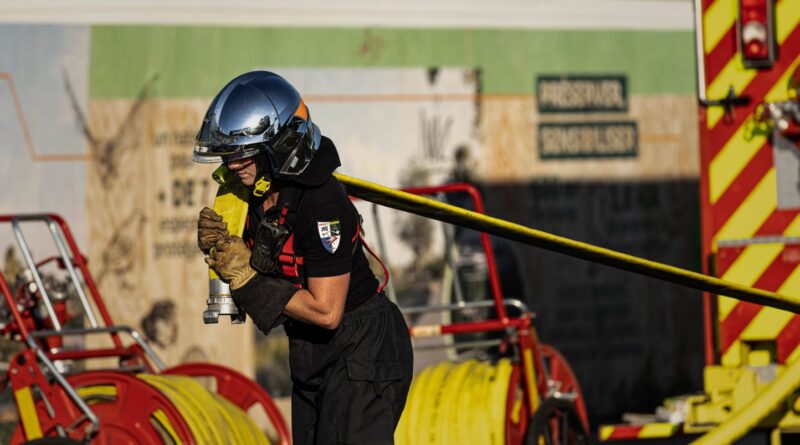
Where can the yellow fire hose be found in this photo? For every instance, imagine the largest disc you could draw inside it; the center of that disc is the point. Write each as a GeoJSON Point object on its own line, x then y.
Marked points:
{"type": "Point", "coordinates": [766, 403]}
{"type": "Point", "coordinates": [455, 215]}
{"type": "Point", "coordinates": [462, 403]}
{"type": "Point", "coordinates": [211, 419]}
{"type": "Point", "coordinates": [736, 426]}
{"type": "Point", "coordinates": [231, 203]}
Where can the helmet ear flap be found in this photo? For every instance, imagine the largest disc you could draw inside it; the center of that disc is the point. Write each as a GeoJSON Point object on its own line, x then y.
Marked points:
{"type": "Point", "coordinates": [264, 165]}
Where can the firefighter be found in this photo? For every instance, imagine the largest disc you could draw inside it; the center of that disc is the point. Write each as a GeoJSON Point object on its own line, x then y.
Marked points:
{"type": "Point", "coordinates": [301, 263]}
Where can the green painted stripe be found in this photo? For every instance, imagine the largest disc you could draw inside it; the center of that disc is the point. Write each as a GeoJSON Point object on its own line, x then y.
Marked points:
{"type": "Point", "coordinates": [197, 61]}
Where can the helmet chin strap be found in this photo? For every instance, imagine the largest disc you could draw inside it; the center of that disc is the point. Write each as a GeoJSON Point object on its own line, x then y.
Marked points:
{"type": "Point", "coordinates": [263, 175]}
{"type": "Point", "coordinates": [261, 186]}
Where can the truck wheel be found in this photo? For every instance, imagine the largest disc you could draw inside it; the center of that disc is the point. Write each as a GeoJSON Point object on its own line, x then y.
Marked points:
{"type": "Point", "coordinates": [556, 422]}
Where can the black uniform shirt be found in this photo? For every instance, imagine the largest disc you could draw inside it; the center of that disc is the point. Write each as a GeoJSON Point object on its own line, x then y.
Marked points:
{"type": "Point", "coordinates": [325, 223]}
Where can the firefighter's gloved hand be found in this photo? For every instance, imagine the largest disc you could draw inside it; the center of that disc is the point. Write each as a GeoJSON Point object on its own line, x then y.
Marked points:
{"type": "Point", "coordinates": [210, 229]}
{"type": "Point", "coordinates": [264, 298]}
{"type": "Point", "coordinates": [230, 258]}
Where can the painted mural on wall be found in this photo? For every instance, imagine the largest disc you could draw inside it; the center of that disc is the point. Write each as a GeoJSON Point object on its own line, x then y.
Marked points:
{"type": "Point", "coordinates": [144, 194]}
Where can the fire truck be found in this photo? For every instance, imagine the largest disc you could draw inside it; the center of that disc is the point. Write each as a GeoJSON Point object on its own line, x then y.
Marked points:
{"type": "Point", "coordinates": [748, 52]}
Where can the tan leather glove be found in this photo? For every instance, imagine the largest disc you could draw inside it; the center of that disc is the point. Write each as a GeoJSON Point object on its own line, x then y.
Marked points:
{"type": "Point", "coordinates": [230, 258]}
{"type": "Point", "coordinates": [210, 229]}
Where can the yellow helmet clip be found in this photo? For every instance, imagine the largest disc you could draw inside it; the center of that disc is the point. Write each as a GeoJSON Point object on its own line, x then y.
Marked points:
{"type": "Point", "coordinates": [261, 187]}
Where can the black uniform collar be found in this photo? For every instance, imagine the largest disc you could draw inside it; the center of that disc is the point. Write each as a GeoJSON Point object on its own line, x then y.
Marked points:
{"type": "Point", "coordinates": [325, 162]}
{"type": "Point", "coordinates": [290, 195]}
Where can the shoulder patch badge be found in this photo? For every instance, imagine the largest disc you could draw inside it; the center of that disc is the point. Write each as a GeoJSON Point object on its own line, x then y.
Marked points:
{"type": "Point", "coordinates": [329, 234]}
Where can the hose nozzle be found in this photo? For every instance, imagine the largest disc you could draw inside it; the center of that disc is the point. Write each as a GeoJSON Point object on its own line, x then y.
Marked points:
{"type": "Point", "coordinates": [220, 302]}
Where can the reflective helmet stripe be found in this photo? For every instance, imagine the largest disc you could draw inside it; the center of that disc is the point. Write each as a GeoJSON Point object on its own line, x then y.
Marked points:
{"type": "Point", "coordinates": [302, 111]}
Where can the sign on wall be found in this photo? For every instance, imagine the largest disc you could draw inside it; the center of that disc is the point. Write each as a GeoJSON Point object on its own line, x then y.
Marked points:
{"type": "Point", "coordinates": [581, 94]}
{"type": "Point", "coordinates": [581, 136]}
{"type": "Point", "coordinates": [587, 140]}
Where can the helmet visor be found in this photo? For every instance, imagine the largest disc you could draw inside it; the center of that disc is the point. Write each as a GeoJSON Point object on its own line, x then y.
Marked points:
{"type": "Point", "coordinates": [211, 155]}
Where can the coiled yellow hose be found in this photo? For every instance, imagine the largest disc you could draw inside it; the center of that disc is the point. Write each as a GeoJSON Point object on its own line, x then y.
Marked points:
{"type": "Point", "coordinates": [212, 419]}
{"type": "Point", "coordinates": [462, 403]}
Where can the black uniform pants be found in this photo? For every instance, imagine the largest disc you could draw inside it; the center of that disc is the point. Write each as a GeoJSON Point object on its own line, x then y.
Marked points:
{"type": "Point", "coordinates": [350, 384]}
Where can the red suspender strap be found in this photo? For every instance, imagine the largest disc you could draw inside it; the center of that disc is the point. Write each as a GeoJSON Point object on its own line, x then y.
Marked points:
{"type": "Point", "coordinates": [290, 262]}
{"type": "Point", "coordinates": [284, 212]}
{"type": "Point", "coordinates": [385, 269]}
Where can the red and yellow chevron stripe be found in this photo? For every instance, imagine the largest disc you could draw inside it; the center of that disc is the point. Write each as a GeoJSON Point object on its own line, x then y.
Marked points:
{"type": "Point", "coordinates": [738, 183]}
{"type": "Point", "coordinates": [769, 266]}
{"type": "Point", "coordinates": [633, 432]}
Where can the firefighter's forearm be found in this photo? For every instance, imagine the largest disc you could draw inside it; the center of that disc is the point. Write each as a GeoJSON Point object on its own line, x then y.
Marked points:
{"type": "Point", "coordinates": [322, 304]}
{"type": "Point", "coordinates": [304, 307]}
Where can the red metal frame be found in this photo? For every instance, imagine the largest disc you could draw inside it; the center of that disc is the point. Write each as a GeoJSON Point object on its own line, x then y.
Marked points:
{"type": "Point", "coordinates": [706, 234]}
{"type": "Point", "coordinates": [80, 261]}
{"type": "Point", "coordinates": [515, 430]}
{"type": "Point", "coordinates": [561, 372]}
{"type": "Point", "coordinates": [12, 306]}
{"type": "Point", "coordinates": [125, 419]}
{"type": "Point", "coordinates": [534, 385]}
{"type": "Point", "coordinates": [126, 352]}
{"type": "Point", "coordinates": [491, 264]}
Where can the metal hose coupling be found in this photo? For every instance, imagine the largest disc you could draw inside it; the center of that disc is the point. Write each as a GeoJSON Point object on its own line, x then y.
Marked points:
{"type": "Point", "coordinates": [220, 302]}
